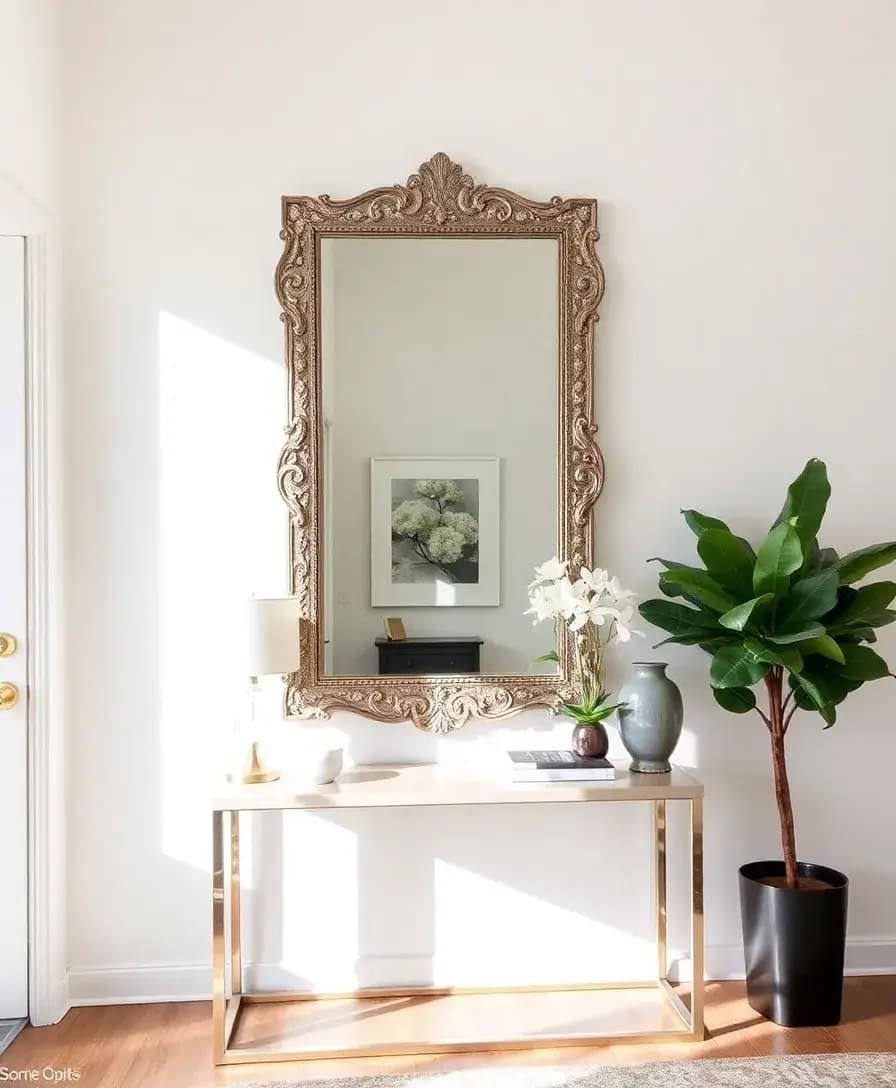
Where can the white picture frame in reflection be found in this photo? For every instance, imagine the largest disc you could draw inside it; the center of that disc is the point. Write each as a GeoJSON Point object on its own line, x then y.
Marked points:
{"type": "Point", "coordinates": [435, 531]}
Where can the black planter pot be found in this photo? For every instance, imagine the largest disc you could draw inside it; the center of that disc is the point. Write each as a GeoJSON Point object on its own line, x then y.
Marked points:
{"type": "Point", "coordinates": [794, 943]}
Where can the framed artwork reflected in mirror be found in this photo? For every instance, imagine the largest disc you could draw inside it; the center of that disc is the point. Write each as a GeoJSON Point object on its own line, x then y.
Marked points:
{"type": "Point", "coordinates": [435, 532]}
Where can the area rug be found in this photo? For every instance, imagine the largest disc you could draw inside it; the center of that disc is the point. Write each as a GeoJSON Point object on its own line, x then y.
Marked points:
{"type": "Point", "coordinates": [804, 1071]}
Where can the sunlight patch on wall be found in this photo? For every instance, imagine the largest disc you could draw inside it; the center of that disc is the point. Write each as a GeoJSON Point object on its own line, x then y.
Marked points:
{"type": "Point", "coordinates": [320, 904]}
{"type": "Point", "coordinates": [687, 751]}
{"type": "Point", "coordinates": [485, 929]}
{"type": "Point", "coordinates": [445, 592]}
{"type": "Point", "coordinates": [222, 535]}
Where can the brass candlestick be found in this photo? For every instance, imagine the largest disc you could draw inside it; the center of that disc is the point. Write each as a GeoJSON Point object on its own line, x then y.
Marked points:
{"type": "Point", "coordinates": [255, 770]}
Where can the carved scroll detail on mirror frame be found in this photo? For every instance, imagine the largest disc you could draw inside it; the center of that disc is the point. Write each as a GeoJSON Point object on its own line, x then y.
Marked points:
{"type": "Point", "coordinates": [439, 200]}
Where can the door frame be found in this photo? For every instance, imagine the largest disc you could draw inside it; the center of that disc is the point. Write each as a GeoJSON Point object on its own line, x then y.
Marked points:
{"type": "Point", "coordinates": [22, 216]}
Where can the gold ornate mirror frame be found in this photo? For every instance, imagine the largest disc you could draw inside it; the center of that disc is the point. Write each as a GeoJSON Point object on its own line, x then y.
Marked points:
{"type": "Point", "coordinates": [438, 201]}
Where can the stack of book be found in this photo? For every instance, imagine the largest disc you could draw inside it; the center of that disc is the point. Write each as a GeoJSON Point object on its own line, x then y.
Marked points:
{"type": "Point", "coordinates": [563, 766]}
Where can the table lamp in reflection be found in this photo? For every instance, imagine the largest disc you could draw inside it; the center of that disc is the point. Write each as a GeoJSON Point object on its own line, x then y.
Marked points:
{"type": "Point", "coordinates": [273, 650]}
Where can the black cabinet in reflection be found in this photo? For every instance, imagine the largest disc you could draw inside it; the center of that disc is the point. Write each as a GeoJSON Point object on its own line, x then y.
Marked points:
{"type": "Point", "coordinates": [434, 656]}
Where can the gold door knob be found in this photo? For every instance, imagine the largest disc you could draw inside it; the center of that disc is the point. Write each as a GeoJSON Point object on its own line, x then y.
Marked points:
{"type": "Point", "coordinates": [9, 696]}
{"type": "Point", "coordinates": [8, 645]}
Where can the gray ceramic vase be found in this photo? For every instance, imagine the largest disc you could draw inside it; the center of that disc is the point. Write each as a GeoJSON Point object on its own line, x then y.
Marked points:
{"type": "Point", "coordinates": [651, 723]}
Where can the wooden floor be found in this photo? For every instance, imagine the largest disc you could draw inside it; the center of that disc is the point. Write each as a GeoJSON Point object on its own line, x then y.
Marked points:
{"type": "Point", "coordinates": [167, 1045]}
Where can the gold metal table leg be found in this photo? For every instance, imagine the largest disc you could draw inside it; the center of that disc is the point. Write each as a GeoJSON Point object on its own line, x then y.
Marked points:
{"type": "Point", "coordinates": [219, 996]}
{"type": "Point", "coordinates": [659, 825]}
{"type": "Point", "coordinates": [236, 954]}
{"type": "Point", "coordinates": [697, 986]}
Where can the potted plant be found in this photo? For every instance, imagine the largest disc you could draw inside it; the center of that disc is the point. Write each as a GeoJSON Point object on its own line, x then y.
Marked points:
{"type": "Point", "coordinates": [597, 611]}
{"type": "Point", "coordinates": [789, 611]}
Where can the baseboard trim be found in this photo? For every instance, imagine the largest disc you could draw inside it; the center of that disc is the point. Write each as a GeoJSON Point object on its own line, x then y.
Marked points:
{"type": "Point", "coordinates": [60, 1001]}
{"type": "Point", "coordinates": [135, 984]}
{"type": "Point", "coordinates": [871, 956]}
{"type": "Point", "coordinates": [864, 956]}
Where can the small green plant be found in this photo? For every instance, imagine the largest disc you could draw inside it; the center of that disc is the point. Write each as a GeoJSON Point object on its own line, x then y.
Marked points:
{"type": "Point", "coordinates": [790, 610]}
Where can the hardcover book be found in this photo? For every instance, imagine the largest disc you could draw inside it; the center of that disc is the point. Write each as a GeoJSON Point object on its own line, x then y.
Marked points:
{"type": "Point", "coordinates": [558, 766]}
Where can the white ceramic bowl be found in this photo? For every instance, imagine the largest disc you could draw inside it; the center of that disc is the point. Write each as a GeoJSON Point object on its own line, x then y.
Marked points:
{"type": "Point", "coordinates": [318, 766]}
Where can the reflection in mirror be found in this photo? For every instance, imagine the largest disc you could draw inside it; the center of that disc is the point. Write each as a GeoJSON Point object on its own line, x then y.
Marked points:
{"type": "Point", "coordinates": [439, 362]}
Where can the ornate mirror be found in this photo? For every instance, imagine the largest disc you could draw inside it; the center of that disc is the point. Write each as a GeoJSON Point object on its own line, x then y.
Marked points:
{"type": "Point", "coordinates": [439, 346]}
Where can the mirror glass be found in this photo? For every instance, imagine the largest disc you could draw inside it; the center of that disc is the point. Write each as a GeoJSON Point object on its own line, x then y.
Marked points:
{"type": "Point", "coordinates": [440, 411]}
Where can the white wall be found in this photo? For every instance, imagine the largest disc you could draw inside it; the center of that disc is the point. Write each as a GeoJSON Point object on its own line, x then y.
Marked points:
{"type": "Point", "coordinates": [743, 160]}
{"type": "Point", "coordinates": [427, 344]}
{"type": "Point", "coordinates": [29, 103]}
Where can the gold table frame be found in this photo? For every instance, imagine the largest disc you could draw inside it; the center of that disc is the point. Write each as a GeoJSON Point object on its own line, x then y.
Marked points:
{"type": "Point", "coordinates": [426, 786]}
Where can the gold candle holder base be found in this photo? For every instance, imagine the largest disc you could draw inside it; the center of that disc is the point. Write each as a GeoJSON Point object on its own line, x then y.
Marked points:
{"type": "Point", "coordinates": [255, 771]}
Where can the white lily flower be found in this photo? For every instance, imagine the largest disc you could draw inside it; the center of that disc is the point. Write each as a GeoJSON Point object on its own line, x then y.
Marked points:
{"type": "Point", "coordinates": [596, 580]}
{"type": "Point", "coordinates": [624, 624]}
{"type": "Point", "coordinates": [595, 612]}
{"type": "Point", "coordinates": [551, 571]}
{"type": "Point", "coordinates": [621, 596]}
{"type": "Point", "coordinates": [545, 603]}
{"type": "Point", "coordinates": [571, 598]}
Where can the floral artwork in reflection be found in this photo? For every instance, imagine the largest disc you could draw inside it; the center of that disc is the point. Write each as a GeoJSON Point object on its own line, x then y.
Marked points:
{"type": "Point", "coordinates": [597, 611]}
{"type": "Point", "coordinates": [435, 530]}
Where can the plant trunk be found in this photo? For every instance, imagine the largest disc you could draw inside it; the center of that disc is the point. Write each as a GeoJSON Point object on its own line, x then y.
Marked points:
{"type": "Point", "coordinates": [774, 684]}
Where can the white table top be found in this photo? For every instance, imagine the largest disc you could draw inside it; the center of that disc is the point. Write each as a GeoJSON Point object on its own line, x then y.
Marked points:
{"type": "Point", "coordinates": [425, 784]}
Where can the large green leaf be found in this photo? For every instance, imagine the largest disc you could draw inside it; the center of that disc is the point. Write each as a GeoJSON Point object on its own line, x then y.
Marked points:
{"type": "Point", "coordinates": [809, 697]}
{"type": "Point", "coordinates": [735, 667]}
{"type": "Point", "coordinates": [807, 500]}
{"type": "Point", "coordinates": [699, 523]}
{"type": "Point", "coordinates": [862, 663]}
{"type": "Point", "coordinates": [698, 585]}
{"type": "Point", "coordinates": [807, 693]}
{"type": "Point", "coordinates": [856, 565]}
{"type": "Point", "coordinates": [729, 559]}
{"type": "Point", "coordinates": [737, 700]}
{"type": "Point", "coordinates": [820, 559]}
{"type": "Point", "coordinates": [854, 605]}
{"type": "Point", "coordinates": [676, 570]}
{"type": "Point", "coordinates": [780, 555]}
{"type": "Point", "coordinates": [874, 619]}
{"type": "Point", "coordinates": [827, 557]}
{"type": "Point", "coordinates": [808, 599]}
{"type": "Point", "coordinates": [822, 683]}
{"type": "Point", "coordinates": [713, 645]}
{"type": "Point", "coordinates": [807, 631]}
{"type": "Point", "coordinates": [791, 659]}
{"type": "Point", "coordinates": [667, 563]}
{"type": "Point", "coordinates": [737, 618]}
{"type": "Point", "coordinates": [699, 638]}
{"type": "Point", "coordinates": [824, 646]}
{"type": "Point", "coordinates": [678, 619]}
{"type": "Point", "coordinates": [856, 634]}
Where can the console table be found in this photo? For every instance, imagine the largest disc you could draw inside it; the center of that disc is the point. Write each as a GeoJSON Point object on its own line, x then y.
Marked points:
{"type": "Point", "coordinates": [458, 1018]}
{"type": "Point", "coordinates": [428, 656]}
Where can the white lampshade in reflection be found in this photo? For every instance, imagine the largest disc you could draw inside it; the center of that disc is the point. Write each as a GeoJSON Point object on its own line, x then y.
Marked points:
{"type": "Point", "coordinates": [273, 635]}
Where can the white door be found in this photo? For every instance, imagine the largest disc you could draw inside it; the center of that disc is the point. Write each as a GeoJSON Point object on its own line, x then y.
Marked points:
{"type": "Point", "coordinates": [13, 614]}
